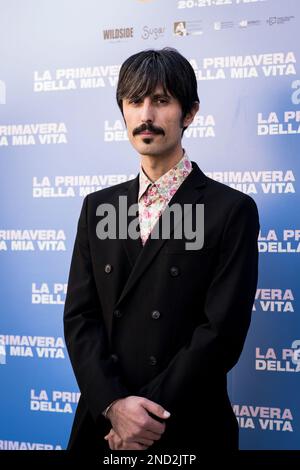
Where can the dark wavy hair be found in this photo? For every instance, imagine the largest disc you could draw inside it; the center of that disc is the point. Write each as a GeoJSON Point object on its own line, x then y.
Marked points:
{"type": "Point", "coordinates": [142, 72]}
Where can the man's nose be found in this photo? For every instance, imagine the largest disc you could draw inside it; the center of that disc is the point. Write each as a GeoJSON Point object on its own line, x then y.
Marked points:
{"type": "Point", "coordinates": [147, 111]}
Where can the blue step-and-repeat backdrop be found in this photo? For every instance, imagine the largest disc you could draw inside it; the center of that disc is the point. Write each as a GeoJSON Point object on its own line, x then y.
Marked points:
{"type": "Point", "coordinates": [62, 137]}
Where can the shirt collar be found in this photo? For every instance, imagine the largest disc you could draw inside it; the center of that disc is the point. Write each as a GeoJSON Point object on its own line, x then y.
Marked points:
{"type": "Point", "coordinates": [172, 179]}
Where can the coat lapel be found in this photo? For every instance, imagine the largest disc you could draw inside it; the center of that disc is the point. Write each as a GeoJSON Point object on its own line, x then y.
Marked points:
{"type": "Point", "coordinates": [132, 247]}
{"type": "Point", "coordinates": [189, 192]}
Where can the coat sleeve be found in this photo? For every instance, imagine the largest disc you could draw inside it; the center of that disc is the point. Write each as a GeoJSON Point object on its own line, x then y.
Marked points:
{"type": "Point", "coordinates": [216, 345]}
{"type": "Point", "coordinates": [85, 334]}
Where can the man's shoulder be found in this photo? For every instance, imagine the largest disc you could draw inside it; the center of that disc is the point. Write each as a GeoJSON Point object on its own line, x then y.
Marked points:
{"type": "Point", "coordinates": [221, 195]}
{"type": "Point", "coordinates": [226, 195]}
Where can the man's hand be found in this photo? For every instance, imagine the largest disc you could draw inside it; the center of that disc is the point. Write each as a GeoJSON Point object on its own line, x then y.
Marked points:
{"type": "Point", "coordinates": [132, 423]}
{"type": "Point", "coordinates": [116, 443]}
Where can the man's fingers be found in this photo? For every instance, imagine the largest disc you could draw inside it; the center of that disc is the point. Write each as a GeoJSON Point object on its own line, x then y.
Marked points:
{"type": "Point", "coordinates": [139, 440]}
{"type": "Point", "coordinates": [155, 409]}
{"type": "Point", "coordinates": [115, 443]}
{"type": "Point", "coordinates": [111, 444]}
{"type": "Point", "coordinates": [110, 434]}
{"type": "Point", "coordinates": [137, 417]}
{"type": "Point", "coordinates": [146, 442]}
{"type": "Point", "coordinates": [134, 446]}
{"type": "Point", "coordinates": [155, 427]}
{"type": "Point", "coordinates": [153, 436]}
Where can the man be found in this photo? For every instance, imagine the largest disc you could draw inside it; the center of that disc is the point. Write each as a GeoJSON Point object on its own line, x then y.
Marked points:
{"type": "Point", "coordinates": [152, 323]}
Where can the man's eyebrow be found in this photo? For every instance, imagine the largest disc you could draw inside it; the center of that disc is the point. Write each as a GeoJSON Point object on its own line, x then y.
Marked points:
{"type": "Point", "coordinates": [161, 95]}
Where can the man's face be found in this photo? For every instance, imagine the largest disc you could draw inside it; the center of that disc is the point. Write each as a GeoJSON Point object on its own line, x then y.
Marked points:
{"type": "Point", "coordinates": [154, 123]}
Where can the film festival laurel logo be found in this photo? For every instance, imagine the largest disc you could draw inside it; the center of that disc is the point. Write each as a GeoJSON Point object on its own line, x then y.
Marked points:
{"type": "Point", "coordinates": [2, 92]}
{"type": "Point", "coordinates": [124, 223]}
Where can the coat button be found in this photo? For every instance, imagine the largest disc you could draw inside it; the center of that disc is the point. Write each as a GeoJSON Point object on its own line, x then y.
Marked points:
{"type": "Point", "coordinates": [108, 268]}
{"type": "Point", "coordinates": [152, 361]}
{"type": "Point", "coordinates": [174, 271]}
{"type": "Point", "coordinates": [155, 314]}
{"type": "Point", "coordinates": [114, 358]}
{"type": "Point", "coordinates": [118, 314]}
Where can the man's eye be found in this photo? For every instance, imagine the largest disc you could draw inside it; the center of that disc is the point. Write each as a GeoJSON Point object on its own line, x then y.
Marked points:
{"type": "Point", "coordinates": [135, 100]}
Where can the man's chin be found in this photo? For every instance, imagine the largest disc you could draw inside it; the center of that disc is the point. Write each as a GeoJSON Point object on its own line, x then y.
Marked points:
{"type": "Point", "coordinates": [145, 148]}
{"type": "Point", "coordinates": [147, 140]}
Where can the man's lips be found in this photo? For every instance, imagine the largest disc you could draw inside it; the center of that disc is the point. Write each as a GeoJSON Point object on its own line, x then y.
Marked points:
{"type": "Point", "coordinates": [148, 131]}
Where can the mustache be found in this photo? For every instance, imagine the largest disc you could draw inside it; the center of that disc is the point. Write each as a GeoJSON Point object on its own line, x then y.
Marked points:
{"type": "Point", "coordinates": [148, 127]}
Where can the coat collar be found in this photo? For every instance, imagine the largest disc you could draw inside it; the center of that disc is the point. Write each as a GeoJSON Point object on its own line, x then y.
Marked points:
{"type": "Point", "coordinates": [170, 181]}
{"type": "Point", "coordinates": [190, 192]}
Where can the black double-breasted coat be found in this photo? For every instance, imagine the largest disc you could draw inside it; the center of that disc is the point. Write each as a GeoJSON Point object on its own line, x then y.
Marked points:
{"type": "Point", "coordinates": [161, 321]}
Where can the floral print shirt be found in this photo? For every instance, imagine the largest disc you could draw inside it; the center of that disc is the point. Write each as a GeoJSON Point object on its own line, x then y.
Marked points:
{"type": "Point", "coordinates": [154, 196]}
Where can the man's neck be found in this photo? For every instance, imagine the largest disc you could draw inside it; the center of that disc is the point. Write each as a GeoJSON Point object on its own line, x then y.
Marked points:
{"type": "Point", "coordinates": [156, 166]}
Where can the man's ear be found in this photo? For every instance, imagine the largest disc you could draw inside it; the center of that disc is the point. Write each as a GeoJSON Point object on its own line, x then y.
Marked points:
{"type": "Point", "coordinates": [189, 117]}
